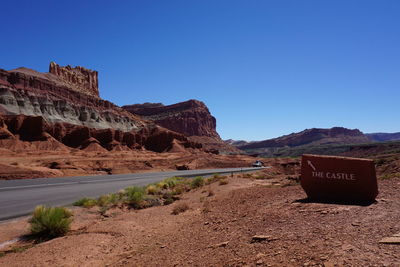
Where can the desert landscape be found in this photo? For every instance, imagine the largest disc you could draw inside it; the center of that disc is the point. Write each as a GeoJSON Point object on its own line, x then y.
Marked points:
{"type": "Point", "coordinates": [195, 133]}
{"type": "Point", "coordinates": [257, 219]}
{"type": "Point", "coordinates": [261, 218]}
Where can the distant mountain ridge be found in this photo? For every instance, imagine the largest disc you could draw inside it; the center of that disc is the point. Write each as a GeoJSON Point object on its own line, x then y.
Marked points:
{"type": "Point", "coordinates": [314, 136]}
{"type": "Point", "coordinates": [383, 137]}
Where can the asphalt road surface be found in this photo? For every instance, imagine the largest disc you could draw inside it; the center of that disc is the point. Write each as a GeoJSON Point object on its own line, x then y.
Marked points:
{"type": "Point", "coordinates": [20, 197]}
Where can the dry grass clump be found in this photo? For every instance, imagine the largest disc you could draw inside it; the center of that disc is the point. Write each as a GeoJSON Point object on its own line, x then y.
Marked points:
{"type": "Point", "coordinates": [215, 178]}
{"type": "Point", "coordinates": [197, 182]}
{"type": "Point", "coordinates": [50, 222]}
{"type": "Point", "coordinates": [179, 208]}
{"type": "Point", "coordinates": [85, 202]}
{"type": "Point", "coordinates": [223, 182]}
{"type": "Point", "coordinates": [152, 190]}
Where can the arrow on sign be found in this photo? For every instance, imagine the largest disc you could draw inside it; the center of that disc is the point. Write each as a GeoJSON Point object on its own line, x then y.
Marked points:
{"type": "Point", "coordinates": [311, 165]}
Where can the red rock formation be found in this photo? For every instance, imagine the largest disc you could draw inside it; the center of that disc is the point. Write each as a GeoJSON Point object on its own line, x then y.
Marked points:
{"type": "Point", "coordinates": [81, 79]}
{"type": "Point", "coordinates": [28, 92]}
{"type": "Point", "coordinates": [191, 118]}
{"type": "Point", "coordinates": [17, 128]}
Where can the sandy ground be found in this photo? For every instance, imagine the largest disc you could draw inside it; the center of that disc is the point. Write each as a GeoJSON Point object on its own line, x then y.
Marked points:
{"type": "Point", "coordinates": [218, 230]}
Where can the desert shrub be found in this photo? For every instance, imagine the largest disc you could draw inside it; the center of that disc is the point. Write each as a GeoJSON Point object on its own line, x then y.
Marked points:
{"type": "Point", "coordinates": [132, 189]}
{"type": "Point", "coordinates": [197, 182]}
{"type": "Point", "coordinates": [85, 202]}
{"type": "Point", "coordinates": [180, 189]}
{"type": "Point", "coordinates": [50, 222]}
{"type": "Point", "coordinates": [223, 182]}
{"type": "Point", "coordinates": [167, 194]}
{"type": "Point", "coordinates": [152, 189]}
{"type": "Point", "coordinates": [134, 196]}
{"type": "Point", "coordinates": [168, 201]}
{"type": "Point", "coordinates": [103, 210]}
{"type": "Point", "coordinates": [150, 201]}
{"type": "Point", "coordinates": [162, 185]}
{"type": "Point", "coordinates": [114, 198]}
{"type": "Point", "coordinates": [135, 199]}
{"type": "Point", "coordinates": [214, 178]}
{"type": "Point", "coordinates": [179, 208]}
{"type": "Point", "coordinates": [103, 201]}
{"type": "Point", "coordinates": [171, 182]}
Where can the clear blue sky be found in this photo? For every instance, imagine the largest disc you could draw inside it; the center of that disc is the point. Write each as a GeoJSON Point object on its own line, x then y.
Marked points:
{"type": "Point", "coordinates": [264, 68]}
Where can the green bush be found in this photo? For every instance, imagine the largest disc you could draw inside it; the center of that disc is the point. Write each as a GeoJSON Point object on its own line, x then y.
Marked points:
{"type": "Point", "coordinates": [134, 196]}
{"type": "Point", "coordinates": [152, 189]}
{"type": "Point", "coordinates": [197, 182]}
{"type": "Point", "coordinates": [132, 189]}
{"type": "Point", "coordinates": [50, 222]}
{"type": "Point", "coordinates": [180, 189]}
{"type": "Point", "coordinates": [114, 198]}
{"type": "Point", "coordinates": [85, 202]}
{"type": "Point", "coordinates": [103, 201]}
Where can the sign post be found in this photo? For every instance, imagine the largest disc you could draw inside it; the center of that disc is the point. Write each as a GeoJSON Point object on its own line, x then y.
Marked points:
{"type": "Point", "coordinates": [331, 178]}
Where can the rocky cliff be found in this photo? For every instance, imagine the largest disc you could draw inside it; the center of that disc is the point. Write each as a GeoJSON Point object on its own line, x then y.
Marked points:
{"type": "Point", "coordinates": [28, 92]}
{"type": "Point", "coordinates": [191, 118]}
{"type": "Point", "coordinates": [79, 78]}
{"type": "Point", "coordinates": [63, 107]}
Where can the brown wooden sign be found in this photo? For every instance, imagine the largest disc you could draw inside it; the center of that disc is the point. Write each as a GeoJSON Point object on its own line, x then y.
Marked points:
{"type": "Point", "coordinates": [338, 178]}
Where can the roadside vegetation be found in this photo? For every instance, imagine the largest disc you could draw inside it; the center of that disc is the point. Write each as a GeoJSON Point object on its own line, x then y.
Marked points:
{"type": "Point", "coordinates": [50, 222]}
{"type": "Point", "coordinates": [164, 192]}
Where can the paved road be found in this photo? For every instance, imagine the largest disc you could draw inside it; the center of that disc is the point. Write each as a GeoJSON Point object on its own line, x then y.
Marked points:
{"type": "Point", "coordinates": [19, 197]}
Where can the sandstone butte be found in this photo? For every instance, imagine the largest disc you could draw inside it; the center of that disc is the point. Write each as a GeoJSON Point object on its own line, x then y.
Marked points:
{"type": "Point", "coordinates": [63, 108]}
{"type": "Point", "coordinates": [191, 118]}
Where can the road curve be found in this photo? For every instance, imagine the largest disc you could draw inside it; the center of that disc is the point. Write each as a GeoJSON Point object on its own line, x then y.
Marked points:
{"type": "Point", "coordinates": [20, 197]}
